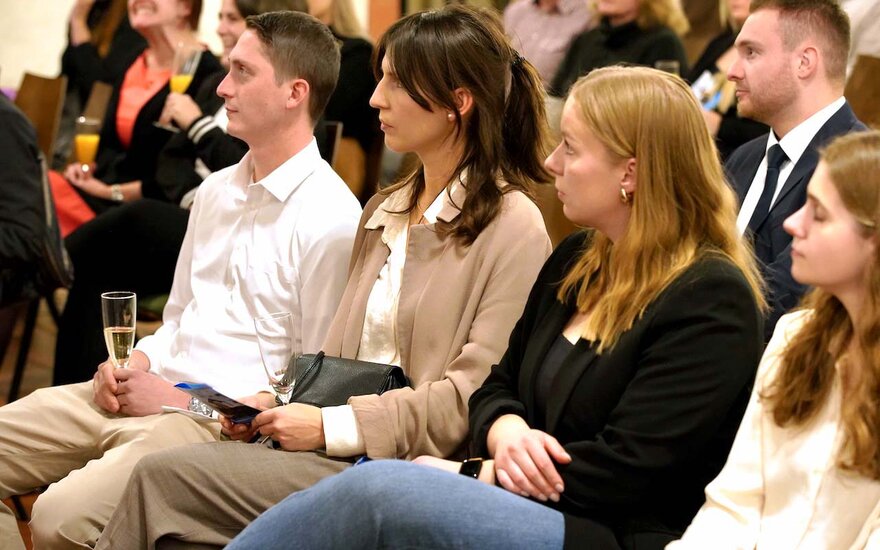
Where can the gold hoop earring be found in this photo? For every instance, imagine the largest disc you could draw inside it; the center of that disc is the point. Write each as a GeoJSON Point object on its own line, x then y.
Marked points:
{"type": "Point", "coordinates": [624, 197]}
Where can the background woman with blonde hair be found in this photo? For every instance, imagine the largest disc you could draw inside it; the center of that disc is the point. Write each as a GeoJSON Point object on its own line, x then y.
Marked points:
{"type": "Point", "coordinates": [638, 32]}
{"type": "Point", "coordinates": [804, 470]}
{"type": "Point", "coordinates": [623, 384]}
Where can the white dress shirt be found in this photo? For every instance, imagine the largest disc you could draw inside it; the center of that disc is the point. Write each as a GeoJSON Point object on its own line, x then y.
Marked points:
{"type": "Point", "coordinates": [379, 342]}
{"type": "Point", "coordinates": [281, 244]}
{"type": "Point", "coordinates": [794, 143]}
{"type": "Point", "coordinates": [781, 487]}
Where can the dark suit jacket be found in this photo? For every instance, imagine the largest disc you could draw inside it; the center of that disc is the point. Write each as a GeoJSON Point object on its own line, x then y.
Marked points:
{"type": "Point", "coordinates": [22, 215]}
{"type": "Point", "coordinates": [772, 244]}
{"type": "Point", "coordinates": [649, 422]}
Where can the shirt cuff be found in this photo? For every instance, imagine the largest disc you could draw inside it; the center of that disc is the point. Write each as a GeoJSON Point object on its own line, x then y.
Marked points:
{"type": "Point", "coordinates": [341, 433]}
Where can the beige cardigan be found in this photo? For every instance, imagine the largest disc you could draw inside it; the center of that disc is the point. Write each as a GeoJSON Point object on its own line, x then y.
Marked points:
{"type": "Point", "coordinates": [456, 310]}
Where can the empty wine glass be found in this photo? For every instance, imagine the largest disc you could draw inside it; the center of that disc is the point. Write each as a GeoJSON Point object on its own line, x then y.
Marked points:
{"type": "Point", "coordinates": [119, 310]}
{"type": "Point", "coordinates": [278, 345]}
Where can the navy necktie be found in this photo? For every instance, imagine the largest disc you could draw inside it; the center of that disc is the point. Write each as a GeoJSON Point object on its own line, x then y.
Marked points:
{"type": "Point", "coordinates": [775, 157]}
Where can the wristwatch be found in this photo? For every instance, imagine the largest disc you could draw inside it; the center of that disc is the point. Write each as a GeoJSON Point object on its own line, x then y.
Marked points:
{"type": "Point", "coordinates": [471, 467]}
{"type": "Point", "coordinates": [116, 193]}
{"type": "Point", "coordinates": [196, 406]}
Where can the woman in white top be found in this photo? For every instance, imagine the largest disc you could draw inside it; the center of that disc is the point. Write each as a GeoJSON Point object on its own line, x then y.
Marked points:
{"type": "Point", "coordinates": [804, 468]}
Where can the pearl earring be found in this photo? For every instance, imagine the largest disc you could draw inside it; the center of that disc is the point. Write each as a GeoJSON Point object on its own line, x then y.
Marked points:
{"type": "Point", "coordinates": [450, 117]}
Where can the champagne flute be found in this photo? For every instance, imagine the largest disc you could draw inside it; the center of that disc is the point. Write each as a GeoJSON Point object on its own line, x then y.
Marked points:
{"type": "Point", "coordinates": [278, 345]}
{"type": "Point", "coordinates": [85, 142]}
{"type": "Point", "coordinates": [119, 309]}
{"type": "Point", "coordinates": [186, 61]}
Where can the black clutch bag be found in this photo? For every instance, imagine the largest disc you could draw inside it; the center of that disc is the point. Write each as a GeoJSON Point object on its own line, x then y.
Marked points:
{"type": "Point", "coordinates": [326, 381]}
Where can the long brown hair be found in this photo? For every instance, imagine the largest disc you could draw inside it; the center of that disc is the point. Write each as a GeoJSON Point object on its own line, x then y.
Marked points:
{"type": "Point", "coordinates": [807, 373]}
{"type": "Point", "coordinates": [682, 207]}
{"type": "Point", "coordinates": [436, 52]}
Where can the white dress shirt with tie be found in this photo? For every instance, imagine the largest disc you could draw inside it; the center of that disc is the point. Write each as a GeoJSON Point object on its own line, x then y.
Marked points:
{"type": "Point", "coordinates": [280, 244]}
{"type": "Point", "coordinates": [794, 143]}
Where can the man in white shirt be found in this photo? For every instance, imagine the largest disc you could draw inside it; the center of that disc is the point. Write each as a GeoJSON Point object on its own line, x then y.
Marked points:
{"type": "Point", "coordinates": [272, 233]}
{"type": "Point", "coordinates": [790, 75]}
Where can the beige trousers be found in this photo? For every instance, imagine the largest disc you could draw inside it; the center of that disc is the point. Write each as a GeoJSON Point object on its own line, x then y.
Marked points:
{"type": "Point", "coordinates": [201, 496]}
{"type": "Point", "coordinates": [58, 436]}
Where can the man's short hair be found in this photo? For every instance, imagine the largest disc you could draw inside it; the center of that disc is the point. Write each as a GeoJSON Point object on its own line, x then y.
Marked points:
{"type": "Point", "coordinates": [823, 20]}
{"type": "Point", "coordinates": [300, 46]}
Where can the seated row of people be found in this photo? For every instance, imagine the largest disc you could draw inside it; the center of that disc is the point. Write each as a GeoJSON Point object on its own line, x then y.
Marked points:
{"type": "Point", "coordinates": [612, 401]}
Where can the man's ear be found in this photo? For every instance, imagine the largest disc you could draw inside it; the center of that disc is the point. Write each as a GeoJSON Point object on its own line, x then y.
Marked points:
{"type": "Point", "coordinates": [298, 92]}
{"type": "Point", "coordinates": [629, 181]}
{"type": "Point", "coordinates": [807, 62]}
{"type": "Point", "coordinates": [464, 100]}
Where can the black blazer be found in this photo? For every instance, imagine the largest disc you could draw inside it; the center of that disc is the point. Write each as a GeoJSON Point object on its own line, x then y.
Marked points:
{"type": "Point", "coordinates": [772, 244]}
{"type": "Point", "coordinates": [118, 164]}
{"type": "Point", "coordinates": [649, 422]}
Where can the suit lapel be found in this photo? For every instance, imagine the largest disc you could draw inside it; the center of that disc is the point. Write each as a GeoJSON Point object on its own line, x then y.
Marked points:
{"type": "Point", "coordinates": [841, 122]}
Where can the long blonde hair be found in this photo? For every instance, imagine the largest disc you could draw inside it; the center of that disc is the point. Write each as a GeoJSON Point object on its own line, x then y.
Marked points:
{"type": "Point", "coordinates": [682, 207]}
{"type": "Point", "coordinates": [807, 371]}
{"type": "Point", "coordinates": [345, 20]}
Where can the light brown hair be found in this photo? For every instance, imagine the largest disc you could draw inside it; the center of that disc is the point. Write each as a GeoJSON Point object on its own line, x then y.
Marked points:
{"type": "Point", "coordinates": [807, 372]}
{"type": "Point", "coordinates": [300, 46]}
{"type": "Point", "coordinates": [434, 53]}
{"type": "Point", "coordinates": [655, 13]}
{"type": "Point", "coordinates": [682, 208]}
{"type": "Point", "coordinates": [823, 20]}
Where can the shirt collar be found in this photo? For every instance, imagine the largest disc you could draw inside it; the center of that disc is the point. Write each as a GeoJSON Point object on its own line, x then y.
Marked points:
{"type": "Point", "coordinates": [795, 142]}
{"type": "Point", "coordinates": [445, 207]}
{"type": "Point", "coordinates": [282, 181]}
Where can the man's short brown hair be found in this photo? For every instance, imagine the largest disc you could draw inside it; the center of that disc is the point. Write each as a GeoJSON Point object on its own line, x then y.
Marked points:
{"type": "Point", "coordinates": [823, 20]}
{"type": "Point", "coordinates": [300, 46]}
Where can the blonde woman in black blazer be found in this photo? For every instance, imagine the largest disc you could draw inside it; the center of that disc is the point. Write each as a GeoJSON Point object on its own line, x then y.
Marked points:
{"type": "Point", "coordinates": [626, 377]}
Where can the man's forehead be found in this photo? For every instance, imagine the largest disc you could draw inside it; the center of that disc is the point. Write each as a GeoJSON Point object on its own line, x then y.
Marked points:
{"type": "Point", "coordinates": [248, 50]}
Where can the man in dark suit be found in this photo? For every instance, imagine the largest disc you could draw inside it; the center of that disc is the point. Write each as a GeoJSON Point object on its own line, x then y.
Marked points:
{"type": "Point", "coordinates": [790, 75]}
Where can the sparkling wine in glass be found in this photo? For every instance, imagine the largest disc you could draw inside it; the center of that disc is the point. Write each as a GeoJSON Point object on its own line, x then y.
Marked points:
{"type": "Point", "coordinates": [85, 142]}
{"type": "Point", "coordinates": [119, 309]}
{"type": "Point", "coordinates": [278, 344]}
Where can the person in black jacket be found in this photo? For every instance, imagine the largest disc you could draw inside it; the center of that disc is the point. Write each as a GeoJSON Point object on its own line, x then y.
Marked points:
{"type": "Point", "coordinates": [130, 142]}
{"type": "Point", "coordinates": [638, 32]}
{"type": "Point", "coordinates": [22, 225]}
{"type": "Point", "coordinates": [100, 47]}
{"type": "Point", "coordinates": [625, 378]}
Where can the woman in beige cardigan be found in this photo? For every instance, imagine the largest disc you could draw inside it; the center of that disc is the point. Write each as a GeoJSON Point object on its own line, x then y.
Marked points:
{"type": "Point", "coordinates": [440, 271]}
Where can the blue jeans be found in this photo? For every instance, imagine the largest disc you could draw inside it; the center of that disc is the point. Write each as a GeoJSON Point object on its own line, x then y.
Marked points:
{"type": "Point", "coordinates": [396, 504]}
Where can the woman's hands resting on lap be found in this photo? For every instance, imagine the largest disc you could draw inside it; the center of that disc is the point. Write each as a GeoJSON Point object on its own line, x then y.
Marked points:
{"type": "Point", "coordinates": [524, 458]}
{"type": "Point", "coordinates": [297, 427]}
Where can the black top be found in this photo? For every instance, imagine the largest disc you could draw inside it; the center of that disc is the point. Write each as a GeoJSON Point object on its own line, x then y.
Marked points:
{"type": "Point", "coordinates": [22, 227]}
{"type": "Point", "coordinates": [649, 422]}
{"type": "Point", "coordinates": [548, 371]}
{"type": "Point", "coordinates": [605, 45]}
{"type": "Point", "coordinates": [350, 102]}
{"type": "Point", "coordinates": [734, 130]}
{"type": "Point", "coordinates": [83, 66]}
{"type": "Point", "coordinates": [118, 164]}
{"type": "Point", "coordinates": [175, 173]}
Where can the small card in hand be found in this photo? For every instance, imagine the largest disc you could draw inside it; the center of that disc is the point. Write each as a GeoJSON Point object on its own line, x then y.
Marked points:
{"type": "Point", "coordinates": [238, 412]}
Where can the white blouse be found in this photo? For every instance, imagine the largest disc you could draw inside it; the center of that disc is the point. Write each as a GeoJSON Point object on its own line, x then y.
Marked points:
{"type": "Point", "coordinates": [379, 342]}
{"type": "Point", "coordinates": [781, 488]}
